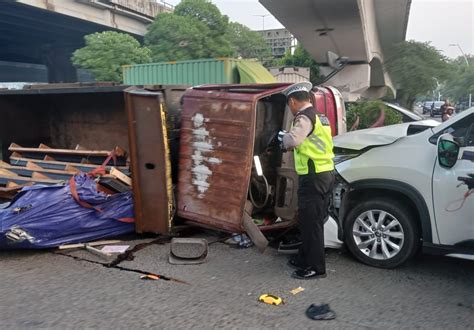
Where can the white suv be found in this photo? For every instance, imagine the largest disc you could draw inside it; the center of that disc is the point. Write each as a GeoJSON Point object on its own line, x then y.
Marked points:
{"type": "Point", "coordinates": [406, 185]}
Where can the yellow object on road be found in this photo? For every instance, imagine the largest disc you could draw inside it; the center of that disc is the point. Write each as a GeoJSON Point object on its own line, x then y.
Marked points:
{"type": "Point", "coordinates": [270, 299]}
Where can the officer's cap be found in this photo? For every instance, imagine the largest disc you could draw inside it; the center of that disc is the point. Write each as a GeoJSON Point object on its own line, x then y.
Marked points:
{"type": "Point", "coordinates": [304, 86]}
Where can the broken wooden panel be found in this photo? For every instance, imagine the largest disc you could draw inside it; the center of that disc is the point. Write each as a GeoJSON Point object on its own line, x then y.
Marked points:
{"type": "Point", "coordinates": [149, 154]}
{"type": "Point", "coordinates": [70, 155]}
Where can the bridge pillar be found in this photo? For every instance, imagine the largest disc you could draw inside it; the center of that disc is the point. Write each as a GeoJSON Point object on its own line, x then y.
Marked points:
{"type": "Point", "coordinates": [59, 65]}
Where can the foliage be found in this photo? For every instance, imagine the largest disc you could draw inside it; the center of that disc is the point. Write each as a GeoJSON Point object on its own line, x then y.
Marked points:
{"type": "Point", "coordinates": [303, 59]}
{"type": "Point", "coordinates": [196, 29]}
{"type": "Point", "coordinates": [417, 68]}
{"type": "Point", "coordinates": [106, 52]}
{"type": "Point", "coordinates": [461, 79]}
{"type": "Point", "coordinates": [247, 43]}
{"type": "Point", "coordinates": [368, 112]}
{"type": "Point", "coordinates": [205, 12]}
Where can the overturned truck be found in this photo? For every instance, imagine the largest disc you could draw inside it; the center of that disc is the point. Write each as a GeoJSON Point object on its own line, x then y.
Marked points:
{"type": "Point", "coordinates": [204, 154]}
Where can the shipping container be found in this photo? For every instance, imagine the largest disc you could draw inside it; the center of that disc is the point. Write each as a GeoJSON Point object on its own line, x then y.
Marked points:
{"type": "Point", "coordinates": [290, 74]}
{"type": "Point", "coordinates": [197, 72]}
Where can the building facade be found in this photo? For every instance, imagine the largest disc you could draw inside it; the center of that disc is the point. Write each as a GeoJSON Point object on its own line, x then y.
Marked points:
{"type": "Point", "coordinates": [280, 40]}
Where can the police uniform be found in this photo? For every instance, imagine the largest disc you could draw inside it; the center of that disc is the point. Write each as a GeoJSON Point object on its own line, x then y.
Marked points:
{"type": "Point", "coordinates": [315, 168]}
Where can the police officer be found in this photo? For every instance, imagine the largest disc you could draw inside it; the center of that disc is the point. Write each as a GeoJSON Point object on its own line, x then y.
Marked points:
{"type": "Point", "coordinates": [311, 141]}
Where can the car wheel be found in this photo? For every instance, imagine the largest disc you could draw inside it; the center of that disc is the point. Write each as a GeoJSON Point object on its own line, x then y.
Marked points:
{"type": "Point", "coordinates": [381, 233]}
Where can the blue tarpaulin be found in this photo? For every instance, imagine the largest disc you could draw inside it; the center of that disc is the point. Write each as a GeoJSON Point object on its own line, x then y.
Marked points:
{"type": "Point", "coordinates": [48, 216]}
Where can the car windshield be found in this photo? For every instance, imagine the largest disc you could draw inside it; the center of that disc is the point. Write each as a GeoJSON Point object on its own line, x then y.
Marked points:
{"type": "Point", "coordinates": [404, 111]}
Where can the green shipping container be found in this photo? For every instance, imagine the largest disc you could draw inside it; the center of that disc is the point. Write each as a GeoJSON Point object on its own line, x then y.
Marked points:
{"type": "Point", "coordinates": [197, 72]}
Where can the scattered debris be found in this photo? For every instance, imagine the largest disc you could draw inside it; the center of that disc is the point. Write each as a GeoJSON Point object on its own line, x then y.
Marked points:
{"type": "Point", "coordinates": [115, 248]}
{"type": "Point", "coordinates": [270, 299]}
{"type": "Point", "coordinates": [188, 251]}
{"type": "Point", "coordinates": [296, 290]}
{"type": "Point", "coordinates": [241, 241]}
{"type": "Point", "coordinates": [129, 255]}
{"type": "Point", "coordinates": [97, 252]}
{"type": "Point", "coordinates": [80, 245]}
{"type": "Point", "coordinates": [320, 312]}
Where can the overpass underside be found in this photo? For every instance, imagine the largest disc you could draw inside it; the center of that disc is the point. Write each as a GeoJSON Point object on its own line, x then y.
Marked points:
{"type": "Point", "coordinates": [361, 30]}
{"type": "Point", "coordinates": [36, 36]}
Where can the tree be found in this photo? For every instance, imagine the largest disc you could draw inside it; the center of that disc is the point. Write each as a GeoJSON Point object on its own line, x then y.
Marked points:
{"type": "Point", "coordinates": [247, 43]}
{"type": "Point", "coordinates": [417, 68]}
{"type": "Point", "coordinates": [196, 29]}
{"type": "Point", "coordinates": [303, 59]}
{"type": "Point", "coordinates": [460, 82]}
{"type": "Point", "coordinates": [106, 52]}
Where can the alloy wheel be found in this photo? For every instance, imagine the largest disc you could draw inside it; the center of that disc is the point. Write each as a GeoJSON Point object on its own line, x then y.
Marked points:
{"type": "Point", "coordinates": [378, 234]}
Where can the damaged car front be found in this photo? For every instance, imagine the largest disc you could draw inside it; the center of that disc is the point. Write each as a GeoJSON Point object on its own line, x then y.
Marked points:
{"type": "Point", "coordinates": [364, 167]}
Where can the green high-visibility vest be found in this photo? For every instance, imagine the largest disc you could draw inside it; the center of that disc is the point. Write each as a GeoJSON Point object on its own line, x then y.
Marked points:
{"type": "Point", "coordinates": [317, 147]}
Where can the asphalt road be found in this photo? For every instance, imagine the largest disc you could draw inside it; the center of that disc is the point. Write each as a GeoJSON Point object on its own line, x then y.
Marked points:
{"type": "Point", "coordinates": [47, 290]}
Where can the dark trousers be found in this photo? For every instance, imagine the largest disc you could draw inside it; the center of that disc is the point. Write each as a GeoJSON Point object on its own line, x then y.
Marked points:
{"type": "Point", "coordinates": [313, 202]}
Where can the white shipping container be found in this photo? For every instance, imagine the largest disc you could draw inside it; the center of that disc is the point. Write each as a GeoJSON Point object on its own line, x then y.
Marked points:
{"type": "Point", "coordinates": [290, 74]}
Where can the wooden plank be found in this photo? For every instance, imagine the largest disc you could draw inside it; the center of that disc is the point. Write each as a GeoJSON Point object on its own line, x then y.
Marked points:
{"type": "Point", "coordinates": [33, 166]}
{"type": "Point", "coordinates": [37, 175]}
{"type": "Point", "coordinates": [53, 164]}
{"type": "Point", "coordinates": [120, 152]}
{"type": "Point", "coordinates": [120, 176]}
{"type": "Point", "coordinates": [72, 169]}
{"type": "Point", "coordinates": [6, 172]}
{"type": "Point", "coordinates": [81, 245]}
{"type": "Point", "coordinates": [4, 179]}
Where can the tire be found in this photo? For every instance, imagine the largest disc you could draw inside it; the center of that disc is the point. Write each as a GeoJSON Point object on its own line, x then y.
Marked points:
{"type": "Point", "coordinates": [379, 248]}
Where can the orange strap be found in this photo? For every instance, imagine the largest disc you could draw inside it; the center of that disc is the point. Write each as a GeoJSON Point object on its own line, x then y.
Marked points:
{"type": "Point", "coordinates": [75, 195]}
{"type": "Point", "coordinates": [97, 171]}
{"type": "Point", "coordinates": [101, 169]}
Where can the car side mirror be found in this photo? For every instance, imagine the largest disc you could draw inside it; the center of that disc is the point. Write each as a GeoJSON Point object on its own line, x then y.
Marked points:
{"type": "Point", "coordinates": [448, 151]}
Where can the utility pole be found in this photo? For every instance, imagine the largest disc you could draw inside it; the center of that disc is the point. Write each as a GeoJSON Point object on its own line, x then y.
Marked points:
{"type": "Point", "coordinates": [263, 20]}
{"type": "Point", "coordinates": [467, 64]}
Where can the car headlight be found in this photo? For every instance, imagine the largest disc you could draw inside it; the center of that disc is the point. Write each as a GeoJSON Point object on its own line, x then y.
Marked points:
{"type": "Point", "coordinates": [339, 158]}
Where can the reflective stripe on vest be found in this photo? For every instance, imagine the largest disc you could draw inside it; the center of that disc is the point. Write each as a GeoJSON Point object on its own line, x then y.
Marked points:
{"type": "Point", "coordinates": [316, 148]}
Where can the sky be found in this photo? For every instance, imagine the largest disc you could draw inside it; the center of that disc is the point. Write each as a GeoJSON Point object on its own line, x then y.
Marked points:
{"type": "Point", "coordinates": [441, 22]}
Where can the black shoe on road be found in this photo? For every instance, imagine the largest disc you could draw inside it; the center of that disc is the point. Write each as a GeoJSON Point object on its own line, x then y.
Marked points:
{"type": "Point", "coordinates": [295, 264]}
{"type": "Point", "coordinates": [322, 312]}
{"type": "Point", "coordinates": [307, 274]}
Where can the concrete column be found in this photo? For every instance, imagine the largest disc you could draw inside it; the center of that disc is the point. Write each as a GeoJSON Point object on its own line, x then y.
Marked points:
{"type": "Point", "coordinates": [59, 65]}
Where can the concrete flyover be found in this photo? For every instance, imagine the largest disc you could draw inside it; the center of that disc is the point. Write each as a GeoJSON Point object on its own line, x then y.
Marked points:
{"type": "Point", "coordinates": [44, 33]}
{"type": "Point", "coordinates": [362, 30]}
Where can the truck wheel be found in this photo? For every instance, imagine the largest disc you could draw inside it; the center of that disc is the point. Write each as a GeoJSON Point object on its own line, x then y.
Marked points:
{"type": "Point", "coordinates": [381, 233]}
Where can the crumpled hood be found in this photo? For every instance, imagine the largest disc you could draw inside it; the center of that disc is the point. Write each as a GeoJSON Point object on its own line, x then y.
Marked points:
{"type": "Point", "coordinates": [358, 140]}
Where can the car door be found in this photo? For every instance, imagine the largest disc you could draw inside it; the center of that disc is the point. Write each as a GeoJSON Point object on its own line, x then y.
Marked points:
{"type": "Point", "coordinates": [454, 213]}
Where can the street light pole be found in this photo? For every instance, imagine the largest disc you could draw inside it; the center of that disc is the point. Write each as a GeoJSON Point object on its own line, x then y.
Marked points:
{"type": "Point", "coordinates": [467, 64]}
{"type": "Point", "coordinates": [263, 20]}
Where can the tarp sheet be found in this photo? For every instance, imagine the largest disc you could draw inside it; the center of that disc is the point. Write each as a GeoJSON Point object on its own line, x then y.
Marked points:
{"type": "Point", "coordinates": [253, 72]}
{"type": "Point", "coordinates": [48, 216]}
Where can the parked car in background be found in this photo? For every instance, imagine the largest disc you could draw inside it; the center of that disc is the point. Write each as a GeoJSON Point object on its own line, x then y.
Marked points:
{"type": "Point", "coordinates": [427, 106]}
{"type": "Point", "coordinates": [436, 108]}
{"type": "Point", "coordinates": [402, 186]}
